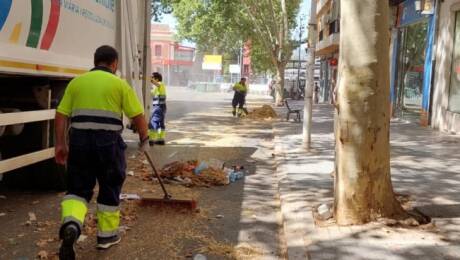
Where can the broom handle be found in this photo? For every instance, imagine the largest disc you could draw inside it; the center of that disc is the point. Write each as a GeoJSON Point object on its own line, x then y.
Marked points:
{"type": "Point", "coordinates": [149, 159]}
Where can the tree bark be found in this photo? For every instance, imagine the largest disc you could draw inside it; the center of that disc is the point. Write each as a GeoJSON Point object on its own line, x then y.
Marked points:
{"type": "Point", "coordinates": [363, 188]}
{"type": "Point", "coordinates": [279, 85]}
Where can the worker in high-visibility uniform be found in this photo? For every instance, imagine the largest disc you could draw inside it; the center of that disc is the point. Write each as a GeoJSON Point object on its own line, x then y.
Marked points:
{"type": "Point", "coordinates": [94, 103]}
{"type": "Point", "coordinates": [239, 98]}
{"type": "Point", "coordinates": [157, 127]}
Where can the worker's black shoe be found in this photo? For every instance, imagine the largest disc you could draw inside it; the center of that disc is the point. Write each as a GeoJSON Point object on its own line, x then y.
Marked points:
{"type": "Point", "coordinates": [106, 242]}
{"type": "Point", "coordinates": [162, 142]}
{"type": "Point", "coordinates": [69, 235]}
{"type": "Point", "coordinates": [234, 113]}
{"type": "Point", "coordinates": [151, 143]}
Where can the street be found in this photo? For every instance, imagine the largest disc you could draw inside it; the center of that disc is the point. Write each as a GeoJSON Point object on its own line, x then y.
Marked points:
{"type": "Point", "coordinates": [290, 130]}
{"type": "Point", "coordinates": [269, 214]}
{"type": "Point", "coordinates": [241, 220]}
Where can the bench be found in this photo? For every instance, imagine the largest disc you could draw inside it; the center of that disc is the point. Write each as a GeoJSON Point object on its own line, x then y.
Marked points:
{"type": "Point", "coordinates": [292, 111]}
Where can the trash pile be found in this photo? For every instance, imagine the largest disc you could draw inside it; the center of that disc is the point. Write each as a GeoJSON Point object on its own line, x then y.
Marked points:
{"type": "Point", "coordinates": [264, 112]}
{"type": "Point", "coordinates": [201, 174]}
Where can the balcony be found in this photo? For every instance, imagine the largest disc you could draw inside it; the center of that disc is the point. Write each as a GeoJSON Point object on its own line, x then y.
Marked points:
{"type": "Point", "coordinates": [322, 6]}
{"type": "Point", "coordinates": [328, 45]}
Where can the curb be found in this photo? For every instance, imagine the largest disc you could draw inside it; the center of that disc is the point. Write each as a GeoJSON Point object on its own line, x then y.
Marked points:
{"type": "Point", "coordinates": [293, 217]}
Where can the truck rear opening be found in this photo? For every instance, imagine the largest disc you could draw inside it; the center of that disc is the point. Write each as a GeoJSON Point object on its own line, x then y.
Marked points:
{"type": "Point", "coordinates": [43, 45]}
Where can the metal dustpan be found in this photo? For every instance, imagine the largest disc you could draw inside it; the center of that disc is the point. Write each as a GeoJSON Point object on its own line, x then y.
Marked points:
{"type": "Point", "coordinates": [167, 200]}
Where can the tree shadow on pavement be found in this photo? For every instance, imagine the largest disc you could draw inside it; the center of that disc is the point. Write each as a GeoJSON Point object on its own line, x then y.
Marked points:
{"type": "Point", "coordinates": [425, 165]}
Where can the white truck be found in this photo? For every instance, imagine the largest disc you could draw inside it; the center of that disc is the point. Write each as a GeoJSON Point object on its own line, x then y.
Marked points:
{"type": "Point", "coordinates": [43, 45]}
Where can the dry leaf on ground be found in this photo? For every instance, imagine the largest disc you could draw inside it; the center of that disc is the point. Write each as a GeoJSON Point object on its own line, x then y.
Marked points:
{"type": "Point", "coordinates": [264, 112]}
{"type": "Point", "coordinates": [32, 217]}
{"type": "Point", "coordinates": [41, 243]}
{"type": "Point", "coordinates": [42, 255]}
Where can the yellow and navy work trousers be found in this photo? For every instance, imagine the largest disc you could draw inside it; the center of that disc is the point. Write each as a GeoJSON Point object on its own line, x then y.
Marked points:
{"type": "Point", "coordinates": [238, 102]}
{"type": "Point", "coordinates": [157, 127]}
{"type": "Point", "coordinates": [94, 155]}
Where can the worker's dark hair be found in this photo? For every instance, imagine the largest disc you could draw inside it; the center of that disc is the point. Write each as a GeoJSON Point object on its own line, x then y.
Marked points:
{"type": "Point", "coordinates": [105, 55]}
{"type": "Point", "coordinates": [242, 79]}
{"type": "Point", "coordinates": [157, 76]}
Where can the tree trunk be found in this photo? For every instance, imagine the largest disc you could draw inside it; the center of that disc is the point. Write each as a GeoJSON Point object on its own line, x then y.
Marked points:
{"type": "Point", "coordinates": [363, 188]}
{"type": "Point", "coordinates": [310, 80]}
{"type": "Point", "coordinates": [279, 85]}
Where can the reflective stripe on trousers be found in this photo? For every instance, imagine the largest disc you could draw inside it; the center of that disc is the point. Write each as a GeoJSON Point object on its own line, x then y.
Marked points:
{"type": "Point", "coordinates": [157, 127]}
{"type": "Point", "coordinates": [108, 220]}
{"type": "Point", "coordinates": [157, 135]}
{"type": "Point", "coordinates": [73, 209]}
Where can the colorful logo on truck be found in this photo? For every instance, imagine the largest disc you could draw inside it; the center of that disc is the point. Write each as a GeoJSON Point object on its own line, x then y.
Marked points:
{"type": "Point", "coordinates": [35, 28]}
{"type": "Point", "coordinates": [5, 7]}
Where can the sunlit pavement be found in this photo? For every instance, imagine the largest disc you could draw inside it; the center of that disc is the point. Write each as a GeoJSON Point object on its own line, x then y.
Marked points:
{"type": "Point", "coordinates": [200, 126]}
{"type": "Point", "coordinates": [425, 165]}
{"type": "Point", "coordinates": [205, 120]}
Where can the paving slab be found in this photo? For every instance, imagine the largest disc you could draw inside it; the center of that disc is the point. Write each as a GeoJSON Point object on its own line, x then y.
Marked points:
{"type": "Point", "coordinates": [425, 165]}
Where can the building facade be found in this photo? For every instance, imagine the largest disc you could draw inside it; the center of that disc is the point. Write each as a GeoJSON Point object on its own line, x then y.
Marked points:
{"type": "Point", "coordinates": [425, 59]}
{"type": "Point", "coordinates": [412, 41]}
{"type": "Point", "coordinates": [246, 70]}
{"type": "Point", "coordinates": [327, 46]}
{"type": "Point", "coordinates": [426, 62]}
{"type": "Point", "coordinates": [173, 60]}
{"type": "Point", "coordinates": [445, 114]}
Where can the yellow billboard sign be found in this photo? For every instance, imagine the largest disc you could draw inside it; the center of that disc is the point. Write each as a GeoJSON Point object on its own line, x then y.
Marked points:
{"type": "Point", "coordinates": [212, 62]}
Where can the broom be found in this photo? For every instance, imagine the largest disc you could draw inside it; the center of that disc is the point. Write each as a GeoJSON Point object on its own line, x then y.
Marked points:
{"type": "Point", "coordinates": [167, 200]}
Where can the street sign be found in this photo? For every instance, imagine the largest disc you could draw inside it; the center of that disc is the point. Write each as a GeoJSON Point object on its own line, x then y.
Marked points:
{"type": "Point", "coordinates": [212, 62]}
{"type": "Point", "coordinates": [235, 69]}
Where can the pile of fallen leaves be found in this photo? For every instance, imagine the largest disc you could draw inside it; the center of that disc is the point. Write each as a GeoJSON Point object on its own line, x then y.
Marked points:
{"type": "Point", "coordinates": [264, 112]}
{"type": "Point", "coordinates": [184, 171]}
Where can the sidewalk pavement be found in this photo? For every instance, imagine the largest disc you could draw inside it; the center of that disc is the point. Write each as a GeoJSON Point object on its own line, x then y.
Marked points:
{"type": "Point", "coordinates": [425, 165]}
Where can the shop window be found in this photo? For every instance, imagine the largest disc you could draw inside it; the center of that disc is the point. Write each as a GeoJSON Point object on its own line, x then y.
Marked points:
{"type": "Point", "coordinates": [454, 95]}
{"type": "Point", "coordinates": [411, 62]}
{"type": "Point", "coordinates": [158, 50]}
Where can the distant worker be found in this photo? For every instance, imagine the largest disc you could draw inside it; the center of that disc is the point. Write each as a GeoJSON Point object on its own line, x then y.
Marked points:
{"type": "Point", "coordinates": [157, 127]}
{"type": "Point", "coordinates": [272, 89]}
{"type": "Point", "coordinates": [239, 98]}
{"type": "Point", "coordinates": [316, 93]}
{"type": "Point", "coordinates": [94, 103]}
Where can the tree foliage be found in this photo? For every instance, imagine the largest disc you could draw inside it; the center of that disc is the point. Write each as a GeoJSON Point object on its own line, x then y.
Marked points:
{"type": "Point", "coordinates": [160, 7]}
{"type": "Point", "coordinates": [224, 25]}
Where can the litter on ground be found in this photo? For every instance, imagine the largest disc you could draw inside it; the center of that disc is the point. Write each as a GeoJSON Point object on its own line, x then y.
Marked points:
{"type": "Point", "coordinates": [42, 255]}
{"type": "Point", "coordinates": [32, 217]}
{"type": "Point", "coordinates": [129, 196]}
{"type": "Point", "coordinates": [82, 238]}
{"type": "Point", "coordinates": [202, 174]}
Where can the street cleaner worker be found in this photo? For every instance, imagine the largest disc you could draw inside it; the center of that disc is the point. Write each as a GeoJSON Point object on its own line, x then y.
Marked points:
{"type": "Point", "coordinates": [94, 103]}
{"type": "Point", "coordinates": [239, 98]}
{"type": "Point", "coordinates": [157, 127]}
